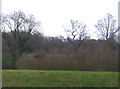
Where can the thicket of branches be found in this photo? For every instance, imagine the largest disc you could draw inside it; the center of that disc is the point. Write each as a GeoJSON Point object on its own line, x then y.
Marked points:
{"type": "Point", "coordinates": [24, 47]}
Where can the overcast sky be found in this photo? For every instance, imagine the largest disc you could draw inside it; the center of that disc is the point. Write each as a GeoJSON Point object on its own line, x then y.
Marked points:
{"type": "Point", "coordinates": [53, 14]}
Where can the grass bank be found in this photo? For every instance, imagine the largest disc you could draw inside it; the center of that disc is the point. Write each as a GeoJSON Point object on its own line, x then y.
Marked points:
{"type": "Point", "coordinates": [56, 78]}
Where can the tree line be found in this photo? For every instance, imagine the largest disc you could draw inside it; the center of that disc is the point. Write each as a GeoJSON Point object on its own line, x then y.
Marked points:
{"type": "Point", "coordinates": [25, 47]}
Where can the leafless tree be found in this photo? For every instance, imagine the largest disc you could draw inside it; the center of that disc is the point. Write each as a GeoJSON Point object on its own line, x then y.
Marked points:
{"type": "Point", "coordinates": [107, 27]}
{"type": "Point", "coordinates": [17, 28]}
{"type": "Point", "coordinates": [76, 30]}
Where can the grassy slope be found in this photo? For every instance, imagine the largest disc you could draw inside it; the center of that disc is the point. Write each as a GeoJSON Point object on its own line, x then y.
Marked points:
{"type": "Point", "coordinates": [54, 78]}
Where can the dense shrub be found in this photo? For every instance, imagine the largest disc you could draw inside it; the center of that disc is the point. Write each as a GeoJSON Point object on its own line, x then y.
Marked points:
{"type": "Point", "coordinates": [99, 60]}
{"type": "Point", "coordinates": [91, 55]}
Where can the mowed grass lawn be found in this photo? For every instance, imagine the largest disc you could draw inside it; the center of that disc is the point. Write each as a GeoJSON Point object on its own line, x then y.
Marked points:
{"type": "Point", "coordinates": [57, 78]}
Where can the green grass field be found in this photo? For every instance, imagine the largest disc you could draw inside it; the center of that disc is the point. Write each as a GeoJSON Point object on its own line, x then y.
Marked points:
{"type": "Point", "coordinates": [56, 78]}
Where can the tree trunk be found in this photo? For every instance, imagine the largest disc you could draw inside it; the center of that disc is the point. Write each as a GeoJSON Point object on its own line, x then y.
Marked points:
{"type": "Point", "coordinates": [14, 61]}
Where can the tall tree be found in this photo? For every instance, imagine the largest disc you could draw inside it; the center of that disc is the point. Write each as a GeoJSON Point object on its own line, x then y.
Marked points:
{"type": "Point", "coordinates": [107, 27]}
{"type": "Point", "coordinates": [76, 30]}
{"type": "Point", "coordinates": [19, 27]}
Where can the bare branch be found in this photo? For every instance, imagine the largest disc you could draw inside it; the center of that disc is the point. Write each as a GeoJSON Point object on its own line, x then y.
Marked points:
{"type": "Point", "coordinates": [106, 27]}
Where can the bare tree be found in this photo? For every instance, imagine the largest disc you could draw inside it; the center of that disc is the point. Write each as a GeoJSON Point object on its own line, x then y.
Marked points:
{"type": "Point", "coordinates": [17, 28]}
{"type": "Point", "coordinates": [107, 27]}
{"type": "Point", "coordinates": [76, 30]}
{"type": "Point", "coordinates": [72, 30]}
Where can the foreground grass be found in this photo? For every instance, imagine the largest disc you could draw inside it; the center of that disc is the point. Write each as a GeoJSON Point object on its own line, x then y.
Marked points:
{"type": "Point", "coordinates": [54, 78]}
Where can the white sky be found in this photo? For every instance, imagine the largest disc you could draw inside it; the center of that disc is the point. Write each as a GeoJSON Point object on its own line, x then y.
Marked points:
{"type": "Point", "coordinates": [53, 14]}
